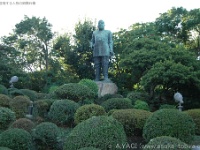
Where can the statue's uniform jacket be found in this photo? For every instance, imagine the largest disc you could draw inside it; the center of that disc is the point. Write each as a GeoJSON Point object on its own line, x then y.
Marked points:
{"type": "Point", "coordinates": [102, 43]}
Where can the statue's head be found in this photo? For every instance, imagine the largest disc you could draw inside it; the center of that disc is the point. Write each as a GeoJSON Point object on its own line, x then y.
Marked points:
{"type": "Point", "coordinates": [101, 25]}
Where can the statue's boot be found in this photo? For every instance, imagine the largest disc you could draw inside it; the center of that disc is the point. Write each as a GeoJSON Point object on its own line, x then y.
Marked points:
{"type": "Point", "coordinates": [105, 72]}
{"type": "Point", "coordinates": [97, 74]}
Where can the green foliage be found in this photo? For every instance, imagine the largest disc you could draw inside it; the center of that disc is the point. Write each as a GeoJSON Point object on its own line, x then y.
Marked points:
{"type": "Point", "coordinates": [74, 91]}
{"type": "Point", "coordinates": [137, 95]}
{"type": "Point", "coordinates": [19, 105]}
{"type": "Point", "coordinates": [4, 148]}
{"type": "Point", "coordinates": [117, 103]}
{"type": "Point", "coordinates": [6, 118]}
{"type": "Point", "coordinates": [46, 136]}
{"type": "Point", "coordinates": [3, 90]}
{"type": "Point", "coordinates": [133, 120]}
{"type": "Point", "coordinates": [166, 142]}
{"type": "Point", "coordinates": [101, 132]}
{"type": "Point", "coordinates": [167, 106]}
{"type": "Point", "coordinates": [141, 105]}
{"type": "Point", "coordinates": [91, 84]}
{"type": "Point", "coordinates": [41, 108]}
{"type": "Point", "coordinates": [169, 122]}
{"type": "Point", "coordinates": [23, 123]}
{"type": "Point", "coordinates": [106, 97]}
{"type": "Point", "coordinates": [16, 139]}
{"type": "Point", "coordinates": [53, 88]}
{"type": "Point", "coordinates": [4, 100]}
{"type": "Point", "coordinates": [30, 93]}
{"type": "Point", "coordinates": [195, 114]}
{"type": "Point", "coordinates": [87, 111]}
{"type": "Point", "coordinates": [62, 111]}
{"type": "Point", "coordinates": [89, 148]}
{"type": "Point", "coordinates": [15, 92]}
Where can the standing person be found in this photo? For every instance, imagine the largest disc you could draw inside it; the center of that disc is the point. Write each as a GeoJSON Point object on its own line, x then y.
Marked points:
{"type": "Point", "coordinates": [102, 45]}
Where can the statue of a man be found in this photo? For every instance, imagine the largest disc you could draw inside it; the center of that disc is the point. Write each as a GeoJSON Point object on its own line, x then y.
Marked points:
{"type": "Point", "coordinates": [102, 45]}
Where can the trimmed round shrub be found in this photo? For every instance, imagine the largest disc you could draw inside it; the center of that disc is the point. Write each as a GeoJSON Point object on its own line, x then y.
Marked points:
{"type": "Point", "coordinates": [117, 103]}
{"type": "Point", "coordinates": [4, 100]}
{"type": "Point", "coordinates": [137, 95]}
{"type": "Point", "coordinates": [13, 92]}
{"type": "Point", "coordinates": [87, 111]}
{"type": "Point", "coordinates": [195, 114]}
{"type": "Point", "coordinates": [133, 120]}
{"type": "Point", "coordinates": [23, 123]}
{"type": "Point", "coordinates": [41, 108]}
{"type": "Point", "coordinates": [101, 132]}
{"type": "Point", "coordinates": [52, 88]}
{"type": "Point", "coordinates": [3, 90]}
{"type": "Point", "coordinates": [62, 111]}
{"type": "Point", "coordinates": [166, 142]}
{"type": "Point", "coordinates": [7, 116]}
{"type": "Point", "coordinates": [46, 136]}
{"type": "Point", "coordinates": [29, 93]}
{"type": "Point", "coordinates": [89, 148]}
{"type": "Point", "coordinates": [19, 105]}
{"type": "Point", "coordinates": [141, 105]}
{"type": "Point", "coordinates": [75, 92]}
{"type": "Point", "coordinates": [16, 139]}
{"type": "Point", "coordinates": [169, 122]}
{"type": "Point", "coordinates": [91, 84]}
{"type": "Point", "coordinates": [167, 106]}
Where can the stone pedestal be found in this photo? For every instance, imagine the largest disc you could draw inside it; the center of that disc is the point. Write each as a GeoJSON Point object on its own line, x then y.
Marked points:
{"type": "Point", "coordinates": [106, 88]}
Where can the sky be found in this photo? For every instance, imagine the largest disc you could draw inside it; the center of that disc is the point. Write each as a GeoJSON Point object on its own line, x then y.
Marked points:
{"type": "Point", "coordinates": [64, 14]}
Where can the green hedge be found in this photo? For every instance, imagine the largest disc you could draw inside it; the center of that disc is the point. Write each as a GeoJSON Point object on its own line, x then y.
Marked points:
{"type": "Point", "coordinates": [133, 120]}
{"type": "Point", "coordinates": [62, 111]}
{"type": "Point", "coordinates": [29, 93]}
{"type": "Point", "coordinates": [167, 143]}
{"type": "Point", "coordinates": [137, 95]}
{"type": "Point", "coordinates": [4, 100]}
{"type": "Point", "coordinates": [3, 90]}
{"type": "Point", "coordinates": [87, 111]}
{"type": "Point", "coordinates": [89, 148]}
{"type": "Point", "coordinates": [117, 103]}
{"type": "Point", "coordinates": [46, 136]}
{"type": "Point", "coordinates": [7, 116]}
{"type": "Point", "coordinates": [75, 92]}
{"type": "Point", "coordinates": [16, 139]}
{"type": "Point", "coordinates": [91, 84]}
{"type": "Point", "coordinates": [195, 114]}
{"type": "Point", "coordinates": [101, 132]}
{"type": "Point", "coordinates": [169, 122]}
{"type": "Point", "coordinates": [141, 105]}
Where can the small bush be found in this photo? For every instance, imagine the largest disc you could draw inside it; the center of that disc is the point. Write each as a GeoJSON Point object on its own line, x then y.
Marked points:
{"type": "Point", "coordinates": [16, 139]}
{"type": "Point", "coordinates": [137, 95]}
{"type": "Point", "coordinates": [91, 84]}
{"type": "Point", "coordinates": [133, 120]}
{"type": "Point", "coordinates": [167, 106]}
{"type": "Point", "coordinates": [75, 92]}
{"type": "Point", "coordinates": [46, 136]}
{"type": "Point", "coordinates": [13, 92]}
{"type": "Point", "coordinates": [195, 114]}
{"type": "Point", "coordinates": [29, 93]}
{"type": "Point", "coordinates": [3, 90]}
{"type": "Point", "coordinates": [87, 111]}
{"type": "Point", "coordinates": [19, 105]}
{"type": "Point", "coordinates": [89, 148]}
{"type": "Point", "coordinates": [141, 105]}
{"type": "Point", "coordinates": [23, 123]}
{"type": "Point", "coordinates": [166, 142]}
{"type": "Point", "coordinates": [52, 88]}
{"type": "Point", "coordinates": [41, 108]}
{"type": "Point", "coordinates": [4, 148]}
{"type": "Point", "coordinates": [104, 98]}
{"type": "Point", "coordinates": [169, 122]}
{"type": "Point", "coordinates": [62, 111]}
{"type": "Point", "coordinates": [4, 100]}
{"type": "Point", "coordinates": [7, 116]}
{"type": "Point", "coordinates": [117, 103]}
{"type": "Point", "coordinates": [101, 132]}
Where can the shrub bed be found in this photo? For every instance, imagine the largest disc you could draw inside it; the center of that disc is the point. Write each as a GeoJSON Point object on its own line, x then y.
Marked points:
{"type": "Point", "coordinates": [133, 120]}
{"type": "Point", "coordinates": [101, 132]}
{"type": "Point", "coordinates": [169, 122]}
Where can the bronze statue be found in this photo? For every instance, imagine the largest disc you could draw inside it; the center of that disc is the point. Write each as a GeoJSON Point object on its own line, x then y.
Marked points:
{"type": "Point", "coordinates": [102, 45]}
